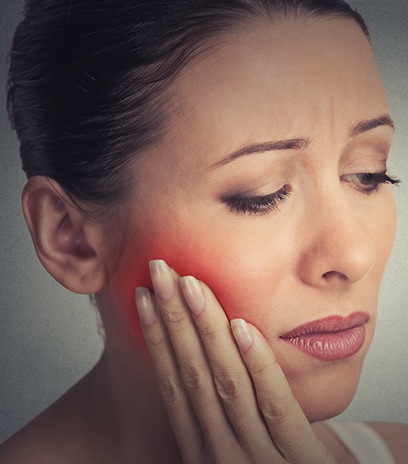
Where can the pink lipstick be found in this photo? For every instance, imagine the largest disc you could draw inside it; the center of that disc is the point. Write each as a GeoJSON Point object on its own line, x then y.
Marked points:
{"type": "Point", "coordinates": [331, 338]}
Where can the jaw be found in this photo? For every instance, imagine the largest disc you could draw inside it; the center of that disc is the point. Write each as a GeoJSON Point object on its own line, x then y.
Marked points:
{"type": "Point", "coordinates": [326, 390]}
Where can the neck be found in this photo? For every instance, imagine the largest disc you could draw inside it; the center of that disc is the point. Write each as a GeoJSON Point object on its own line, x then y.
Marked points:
{"type": "Point", "coordinates": [126, 408]}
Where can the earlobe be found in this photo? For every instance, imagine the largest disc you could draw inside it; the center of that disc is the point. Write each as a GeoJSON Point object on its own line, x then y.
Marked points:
{"type": "Point", "coordinates": [66, 244]}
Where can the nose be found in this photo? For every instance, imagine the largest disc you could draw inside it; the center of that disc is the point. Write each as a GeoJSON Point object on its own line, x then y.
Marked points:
{"type": "Point", "coordinates": [336, 249]}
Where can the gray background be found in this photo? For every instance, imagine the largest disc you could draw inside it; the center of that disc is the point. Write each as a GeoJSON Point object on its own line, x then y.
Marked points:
{"type": "Point", "coordinates": [49, 337]}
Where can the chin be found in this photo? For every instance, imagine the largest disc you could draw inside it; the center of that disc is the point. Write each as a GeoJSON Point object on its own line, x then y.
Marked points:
{"type": "Point", "coordinates": [321, 412]}
{"type": "Point", "coordinates": [327, 391]}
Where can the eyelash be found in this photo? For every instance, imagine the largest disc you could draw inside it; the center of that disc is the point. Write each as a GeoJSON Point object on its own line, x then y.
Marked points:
{"type": "Point", "coordinates": [258, 204]}
{"type": "Point", "coordinates": [369, 182]}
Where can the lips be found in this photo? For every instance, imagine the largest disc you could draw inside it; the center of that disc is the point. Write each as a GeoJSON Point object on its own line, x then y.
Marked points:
{"type": "Point", "coordinates": [331, 338]}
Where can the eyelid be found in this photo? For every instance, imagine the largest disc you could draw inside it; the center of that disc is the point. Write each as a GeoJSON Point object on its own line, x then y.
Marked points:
{"type": "Point", "coordinates": [374, 150]}
{"type": "Point", "coordinates": [370, 182]}
{"type": "Point", "coordinates": [260, 204]}
{"type": "Point", "coordinates": [264, 190]}
{"type": "Point", "coordinates": [366, 182]}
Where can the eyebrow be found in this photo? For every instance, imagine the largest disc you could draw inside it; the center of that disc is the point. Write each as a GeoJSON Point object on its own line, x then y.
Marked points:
{"type": "Point", "coordinates": [301, 143]}
{"type": "Point", "coordinates": [369, 124]}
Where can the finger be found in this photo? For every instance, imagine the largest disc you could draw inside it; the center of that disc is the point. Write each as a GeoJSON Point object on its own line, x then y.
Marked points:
{"type": "Point", "coordinates": [179, 408]}
{"type": "Point", "coordinates": [232, 381]}
{"type": "Point", "coordinates": [287, 423]}
{"type": "Point", "coordinates": [190, 356]}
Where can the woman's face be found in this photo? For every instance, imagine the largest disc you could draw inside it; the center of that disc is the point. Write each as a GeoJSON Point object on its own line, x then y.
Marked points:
{"type": "Point", "coordinates": [315, 249]}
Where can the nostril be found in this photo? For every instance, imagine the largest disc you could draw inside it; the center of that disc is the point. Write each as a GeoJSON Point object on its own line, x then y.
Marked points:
{"type": "Point", "coordinates": [331, 275]}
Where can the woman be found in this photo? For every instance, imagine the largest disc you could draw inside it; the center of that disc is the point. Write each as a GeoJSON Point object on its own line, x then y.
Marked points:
{"type": "Point", "coordinates": [243, 143]}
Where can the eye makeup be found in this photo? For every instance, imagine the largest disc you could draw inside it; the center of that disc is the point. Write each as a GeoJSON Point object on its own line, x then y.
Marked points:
{"type": "Point", "coordinates": [259, 204]}
{"type": "Point", "coordinates": [365, 182]}
{"type": "Point", "coordinates": [370, 182]}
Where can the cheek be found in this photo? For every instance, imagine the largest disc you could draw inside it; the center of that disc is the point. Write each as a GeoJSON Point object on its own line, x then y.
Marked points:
{"type": "Point", "coordinates": [381, 227]}
{"type": "Point", "coordinates": [242, 271]}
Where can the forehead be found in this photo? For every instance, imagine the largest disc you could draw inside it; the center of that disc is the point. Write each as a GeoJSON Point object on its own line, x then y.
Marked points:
{"type": "Point", "coordinates": [276, 69]}
{"type": "Point", "coordinates": [305, 77]}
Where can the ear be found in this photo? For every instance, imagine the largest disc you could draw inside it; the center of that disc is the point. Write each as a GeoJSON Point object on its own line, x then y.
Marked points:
{"type": "Point", "coordinates": [66, 243]}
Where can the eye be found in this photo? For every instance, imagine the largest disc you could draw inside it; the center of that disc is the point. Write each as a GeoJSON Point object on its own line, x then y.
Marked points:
{"type": "Point", "coordinates": [258, 204]}
{"type": "Point", "coordinates": [370, 182]}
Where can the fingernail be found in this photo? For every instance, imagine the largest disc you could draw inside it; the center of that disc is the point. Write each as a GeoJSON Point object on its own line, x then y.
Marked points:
{"type": "Point", "coordinates": [145, 306]}
{"type": "Point", "coordinates": [241, 333]}
{"type": "Point", "coordinates": [193, 294]}
{"type": "Point", "coordinates": [162, 279]}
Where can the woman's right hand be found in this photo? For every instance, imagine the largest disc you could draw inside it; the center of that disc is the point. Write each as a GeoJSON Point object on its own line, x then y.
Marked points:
{"type": "Point", "coordinates": [228, 401]}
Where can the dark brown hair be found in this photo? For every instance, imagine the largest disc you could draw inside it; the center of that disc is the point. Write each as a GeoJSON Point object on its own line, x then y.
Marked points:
{"type": "Point", "coordinates": [88, 78]}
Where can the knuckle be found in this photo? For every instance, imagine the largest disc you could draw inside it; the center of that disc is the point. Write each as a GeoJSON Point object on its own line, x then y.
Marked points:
{"type": "Point", "coordinates": [258, 369]}
{"type": "Point", "coordinates": [275, 412]}
{"type": "Point", "coordinates": [209, 332]}
{"type": "Point", "coordinates": [173, 316]}
{"type": "Point", "coordinates": [157, 340]}
{"type": "Point", "coordinates": [194, 377]}
{"type": "Point", "coordinates": [228, 388]}
{"type": "Point", "coordinates": [262, 367]}
{"type": "Point", "coordinates": [171, 389]}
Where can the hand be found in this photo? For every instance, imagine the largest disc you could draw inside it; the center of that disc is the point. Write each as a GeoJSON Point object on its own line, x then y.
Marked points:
{"type": "Point", "coordinates": [228, 401]}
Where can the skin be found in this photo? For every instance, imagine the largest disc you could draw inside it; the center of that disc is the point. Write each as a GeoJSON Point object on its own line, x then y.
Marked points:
{"type": "Point", "coordinates": [323, 252]}
{"type": "Point", "coordinates": [295, 264]}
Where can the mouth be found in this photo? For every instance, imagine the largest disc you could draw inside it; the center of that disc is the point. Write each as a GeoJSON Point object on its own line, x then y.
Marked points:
{"type": "Point", "coordinates": [331, 338]}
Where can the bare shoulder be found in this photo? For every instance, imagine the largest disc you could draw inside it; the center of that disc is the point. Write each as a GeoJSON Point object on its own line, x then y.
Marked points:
{"type": "Point", "coordinates": [396, 437]}
{"type": "Point", "coordinates": [47, 439]}
{"type": "Point", "coordinates": [56, 435]}
{"type": "Point", "coordinates": [29, 445]}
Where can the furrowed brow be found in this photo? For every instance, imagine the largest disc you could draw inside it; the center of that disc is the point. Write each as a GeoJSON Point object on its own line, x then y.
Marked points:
{"type": "Point", "coordinates": [369, 124]}
{"type": "Point", "coordinates": [289, 144]}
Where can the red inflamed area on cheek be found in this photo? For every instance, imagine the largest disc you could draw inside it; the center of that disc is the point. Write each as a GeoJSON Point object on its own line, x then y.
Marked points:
{"type": "Point", "coordinates": [186, 258]}
{"type": "Point", "coordinates": [212, 268]}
